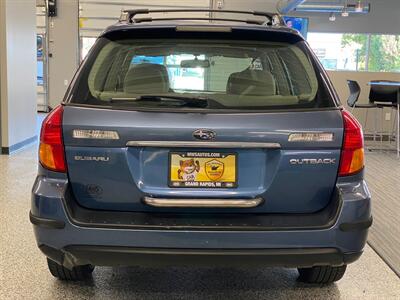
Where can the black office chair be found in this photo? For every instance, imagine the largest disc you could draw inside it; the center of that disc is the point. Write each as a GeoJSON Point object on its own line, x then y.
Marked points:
{"type": "Point", "coordinates": [355, 91]}
{"type": "Point", "coordinates": [352, 101]}
{"type": "Point", "coordinates": [384, 96]}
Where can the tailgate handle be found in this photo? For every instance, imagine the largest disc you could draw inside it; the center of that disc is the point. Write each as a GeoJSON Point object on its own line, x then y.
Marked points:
{"type": "Point", "coordinates": [202, 144]}
{"type": "Point", "coordinates": [202, 203]}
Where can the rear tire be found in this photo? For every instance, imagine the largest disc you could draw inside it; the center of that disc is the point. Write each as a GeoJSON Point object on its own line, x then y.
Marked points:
{"type": "Point", "coordinates": [77, 273]}
{"type": "Point", "coordinates": [322, 274]}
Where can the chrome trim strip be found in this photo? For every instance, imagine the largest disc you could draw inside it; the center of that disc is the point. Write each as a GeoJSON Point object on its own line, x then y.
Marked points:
{"type": "Point", "coordinates": [201, 144]}
{"type": "Point", "coordinates": [213, 203]}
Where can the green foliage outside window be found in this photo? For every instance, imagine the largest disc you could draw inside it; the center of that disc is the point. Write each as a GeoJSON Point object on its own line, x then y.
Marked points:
{"type": "Point", "coordinates": [359, 41]}
{"type": "Point", "coordinates": [383, 54]}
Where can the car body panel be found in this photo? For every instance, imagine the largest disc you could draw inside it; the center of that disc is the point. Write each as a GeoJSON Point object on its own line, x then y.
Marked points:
{"type": "Point", "coordinates": [106, 174]}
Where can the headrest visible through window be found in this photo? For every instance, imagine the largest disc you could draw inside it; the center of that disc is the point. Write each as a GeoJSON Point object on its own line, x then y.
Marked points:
{"type": "Point", "coordinates": [147, 78]}
{"type": "Point", "coordinates": [251, 82]}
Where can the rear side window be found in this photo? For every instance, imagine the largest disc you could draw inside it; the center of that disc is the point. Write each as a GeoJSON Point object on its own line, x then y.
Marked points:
{"type": "Point", "coordinates": [164, 73]}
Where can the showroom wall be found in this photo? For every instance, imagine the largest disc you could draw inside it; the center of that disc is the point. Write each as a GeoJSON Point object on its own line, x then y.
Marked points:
{"type": "Point", "coordinates": [17, 73]}
{"type": "Point", "coordinates": [63, 49]}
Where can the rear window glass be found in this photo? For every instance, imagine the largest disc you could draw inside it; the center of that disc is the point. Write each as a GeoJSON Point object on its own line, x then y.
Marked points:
{"type": "Point", "coordinates": [200, 74]}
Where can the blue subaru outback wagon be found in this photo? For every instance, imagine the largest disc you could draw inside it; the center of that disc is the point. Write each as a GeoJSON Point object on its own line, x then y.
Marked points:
{"type": "Point", "coordinates": [190, 142]}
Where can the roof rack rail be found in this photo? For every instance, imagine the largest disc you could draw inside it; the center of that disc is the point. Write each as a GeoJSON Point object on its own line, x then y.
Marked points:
{"type": "Point", "coordinates": [273, 19]}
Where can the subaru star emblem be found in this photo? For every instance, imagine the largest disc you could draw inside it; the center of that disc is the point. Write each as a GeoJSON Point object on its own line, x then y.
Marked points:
{"type": "Point", "coordinates": [204, 134]}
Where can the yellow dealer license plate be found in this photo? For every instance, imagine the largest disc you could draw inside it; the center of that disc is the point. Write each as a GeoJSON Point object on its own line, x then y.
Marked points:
{"type": "Point", "coordinates": [202, 170]}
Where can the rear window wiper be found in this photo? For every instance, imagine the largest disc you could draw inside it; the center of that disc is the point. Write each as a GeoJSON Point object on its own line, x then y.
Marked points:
{"type": "Point", "coordinates": [200, 102]}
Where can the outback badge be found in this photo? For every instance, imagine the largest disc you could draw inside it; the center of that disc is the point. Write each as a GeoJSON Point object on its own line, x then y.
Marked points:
{"type": "Point", "coordinates": [313, 161]}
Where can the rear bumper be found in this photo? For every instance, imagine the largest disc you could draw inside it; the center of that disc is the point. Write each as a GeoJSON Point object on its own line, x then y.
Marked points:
{"type": "Point", "coordinates": [71, 243]}
{"type": "Point", "coordinates": [122, 256]}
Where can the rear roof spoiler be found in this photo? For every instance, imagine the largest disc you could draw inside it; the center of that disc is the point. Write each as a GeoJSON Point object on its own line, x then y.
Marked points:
{"type": "Point", "coordinates": [272, 19]}
{"type": "Point", "coordinates": [212, 31]}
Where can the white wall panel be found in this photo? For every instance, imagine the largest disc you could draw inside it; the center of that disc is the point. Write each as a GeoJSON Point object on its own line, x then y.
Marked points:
{"type": "Point", "coordinates": [17, 71]}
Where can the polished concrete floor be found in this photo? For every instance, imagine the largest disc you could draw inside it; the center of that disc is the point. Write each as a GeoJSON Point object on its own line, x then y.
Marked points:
{"type": "Point", "coordinates": [383, 177]}
{"type": "Point", "coordinates": [24, 275]}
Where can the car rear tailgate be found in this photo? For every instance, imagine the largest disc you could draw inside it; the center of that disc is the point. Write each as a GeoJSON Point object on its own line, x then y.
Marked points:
{"type": "Point", "coordinates": [297, 177]}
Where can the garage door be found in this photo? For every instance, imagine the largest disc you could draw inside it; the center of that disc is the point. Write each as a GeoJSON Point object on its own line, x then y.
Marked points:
{"type": "Point", "coordinates": [95, 15]}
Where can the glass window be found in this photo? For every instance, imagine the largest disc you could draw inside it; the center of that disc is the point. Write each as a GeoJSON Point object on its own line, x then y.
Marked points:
{"type": "Point", "coordinates": [225, 74]}
{"type": "Point", "coordinates": [185, 77]}
{"type": "Point", "coordinates": [384, 53]}
{"type": "Point", "coordinates": [86, 45]}
{"type": "Point", "coordinates": [40, 63]}
{"type": "Point", "coordinates": [353, 51]}
{"type": "Point", "coordinates": [338, 51]}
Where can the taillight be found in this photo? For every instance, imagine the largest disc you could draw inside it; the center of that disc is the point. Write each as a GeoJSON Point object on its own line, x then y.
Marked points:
{"type": "Point", "coordinates": [352, 156]}
{"type": "Point", "coordinates": [51, 149]}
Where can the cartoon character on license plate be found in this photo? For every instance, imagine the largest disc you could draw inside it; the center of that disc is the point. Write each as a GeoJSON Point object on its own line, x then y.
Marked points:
{"type": "Point", "coordinates": [188, 169]}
